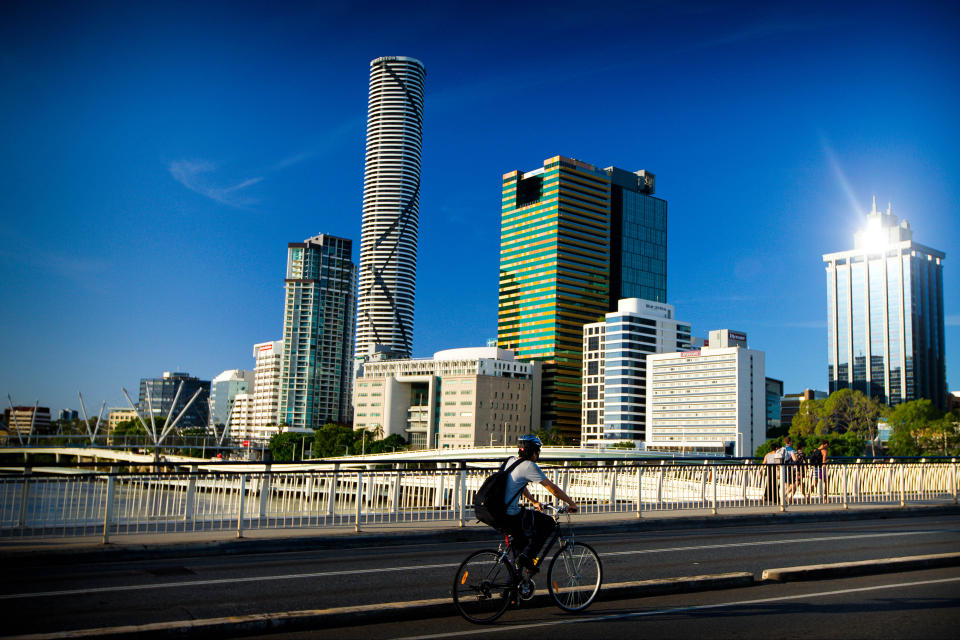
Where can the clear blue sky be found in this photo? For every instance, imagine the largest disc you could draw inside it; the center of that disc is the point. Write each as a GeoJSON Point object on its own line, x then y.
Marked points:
{"type": "Point", "coordinates": [158, 157]}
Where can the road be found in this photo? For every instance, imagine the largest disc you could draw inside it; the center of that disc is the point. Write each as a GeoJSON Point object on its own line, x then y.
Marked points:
{"type": "Point", "coordinates": [54, 597]}
{"type": "Point", "coordinates": [917, 604]}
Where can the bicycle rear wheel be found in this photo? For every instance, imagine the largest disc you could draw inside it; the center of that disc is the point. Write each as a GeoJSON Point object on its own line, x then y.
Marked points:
{"type": "Point", "coordinates": [575, 576]}
{"type": "Point", "coordinates": [483, 587]}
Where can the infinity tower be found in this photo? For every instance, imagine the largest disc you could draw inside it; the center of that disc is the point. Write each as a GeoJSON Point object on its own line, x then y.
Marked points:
{"type": "Point", "coordinates": [391, 202]}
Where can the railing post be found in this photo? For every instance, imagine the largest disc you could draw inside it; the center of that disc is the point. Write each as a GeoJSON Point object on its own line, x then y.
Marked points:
{"type": "Point", "coordinates": [639, 490]}
{"type": "Point", "coordinates": [713, 481]}
{"type": "Point", "coordinates": [660, 485]}
{"type": "Point", "coordinates": [243, 491]}
{"type": "Point", "coordinates": [782, 485]}
{"type": "Point", "coordinates": [744, 473]}
{"type": "Point", "coordinates": [359, 500]}
{"type": "Point", "coordinates": [953, 481]}
{"type": "Point", "coordinates": [844, 467]}
{"type": "Point", "coordinates": [189, 512]}
{"type": "Point", "coordinates": [332, 491]}
{"type": "Point", "coordinates": [108, 509]}
{"type": "Point", "coordinates": [613, 489]}
{"type": "Point", "coordinates": [566, 476]}
{"type": "Point", "coordinates": [264, 493]}
{"type": "Point", "coordinates": [462, 492]}
{"type": "Point", "coordinates": [903, 485]}
{"type": "Point", "coordinates": [397, 483]}
{"type": "Point", "coordinates": [24, 498]}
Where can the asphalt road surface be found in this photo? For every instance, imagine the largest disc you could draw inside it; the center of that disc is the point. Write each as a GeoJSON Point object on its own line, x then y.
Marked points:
{"type": "Point", "coordinates": [54, 597]}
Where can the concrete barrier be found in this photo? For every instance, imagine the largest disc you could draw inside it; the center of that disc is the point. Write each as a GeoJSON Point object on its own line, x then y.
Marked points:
{"type": "Point", "coordinates": [861, 567]}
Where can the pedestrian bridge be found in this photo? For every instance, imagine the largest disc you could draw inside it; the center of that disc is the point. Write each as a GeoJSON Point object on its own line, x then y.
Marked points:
{"type": "Point", "coordinates": [364, 494]}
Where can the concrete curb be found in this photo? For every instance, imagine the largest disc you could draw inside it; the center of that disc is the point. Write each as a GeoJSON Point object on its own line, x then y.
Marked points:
{"type": "Point", "coordinates": [119, 552]}
{"type": "Point", "coordinates": [860, 568]}
{"type": "Point", "coordinates": [288, 621]}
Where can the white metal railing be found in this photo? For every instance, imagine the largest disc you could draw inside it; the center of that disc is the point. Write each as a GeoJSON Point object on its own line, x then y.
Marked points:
{"type": "Point", "coordinates": [119, 503]}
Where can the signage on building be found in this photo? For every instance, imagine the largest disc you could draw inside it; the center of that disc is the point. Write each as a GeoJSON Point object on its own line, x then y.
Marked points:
{"type": "Point", "coordinates": [268, 347]}
{"type": "Point", "coordinates": [736, 335]}
{"type": "Point", "coordinates": [690, 354]}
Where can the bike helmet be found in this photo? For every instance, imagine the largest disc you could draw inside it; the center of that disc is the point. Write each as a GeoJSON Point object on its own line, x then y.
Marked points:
{"type": "Point", "coordinates": [529, 445]}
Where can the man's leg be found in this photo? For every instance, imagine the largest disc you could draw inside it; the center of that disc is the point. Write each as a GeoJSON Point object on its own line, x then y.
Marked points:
{"type": "Point", "coordinates": [542, 527]}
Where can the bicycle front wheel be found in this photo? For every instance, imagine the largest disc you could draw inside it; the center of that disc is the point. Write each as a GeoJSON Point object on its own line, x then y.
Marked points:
{"type": "Point", "coordinates": [483, 587]}
{"type": "Point", "coordinates": [575, 576]}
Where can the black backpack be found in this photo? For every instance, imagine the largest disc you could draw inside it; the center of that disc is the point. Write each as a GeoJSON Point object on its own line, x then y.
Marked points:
{"type": "Point", "coordinates": [489, 503]}
{"type": "Point", "coordinates": [816, 457]}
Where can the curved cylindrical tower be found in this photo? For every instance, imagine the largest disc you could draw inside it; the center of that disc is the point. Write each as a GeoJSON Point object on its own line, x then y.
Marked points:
{"type": "Point", "coordinates": [391, 201]}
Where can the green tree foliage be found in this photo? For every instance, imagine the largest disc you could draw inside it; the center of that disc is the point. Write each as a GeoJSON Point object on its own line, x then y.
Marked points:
{"type": "Point", "coordinates": [839, 445]}
{"type": "Point", "coordinates": [918, 428]}
{"type": "Point", "coordinates": [288, 446]}
{"type": "Point", "coordinates": [623, 445]}
{"type": "Point", "coordinates": [551, 438]}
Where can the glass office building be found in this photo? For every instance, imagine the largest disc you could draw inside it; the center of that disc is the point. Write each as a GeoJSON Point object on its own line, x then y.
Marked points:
{"type": "Point", "coordinates": [885, 315]}
{"type": "Point", "coordinates": [574, 239]}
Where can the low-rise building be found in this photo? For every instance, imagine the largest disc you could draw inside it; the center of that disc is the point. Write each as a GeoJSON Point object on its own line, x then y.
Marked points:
{"type": "Point", "coordinates": [118, 415]}
{"type": "Point", "coordinates": [24, 420]}
{"type": "Point", "coordinates": [790, 404]}
{"type": "Point", "coordinates": [709, 400]}
{"type": "Point", "coordinates": [459, 398]}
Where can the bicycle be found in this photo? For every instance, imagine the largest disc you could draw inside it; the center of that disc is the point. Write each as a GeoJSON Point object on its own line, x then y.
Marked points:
{"type": "Point", "coordinates": [488, 581]}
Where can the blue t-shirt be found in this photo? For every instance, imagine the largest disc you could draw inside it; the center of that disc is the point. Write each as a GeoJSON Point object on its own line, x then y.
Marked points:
{"type": "Point", "coordinates": [526, 471]}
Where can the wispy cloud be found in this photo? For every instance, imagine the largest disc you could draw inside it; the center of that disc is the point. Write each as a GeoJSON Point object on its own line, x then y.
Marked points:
{"type": "Point", "coordinates": [759, 31]}
{"type": "Point", "coordinates": [197, 175]}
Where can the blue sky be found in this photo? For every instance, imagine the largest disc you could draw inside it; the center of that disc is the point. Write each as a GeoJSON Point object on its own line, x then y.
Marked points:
{"type": "Point", "coordinates": [158, 157]}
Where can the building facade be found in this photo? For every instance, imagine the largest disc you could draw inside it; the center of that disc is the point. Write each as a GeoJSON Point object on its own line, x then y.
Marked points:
{"type": "Point", "coordinates": [774, 389]}
{"type": "Point", "coordinates": [614, 396]}
{"type": "Point", "coordinates": [710, 400]}
{"type": "Point", "coordinates": [223, 389]}
{"type": "Point", "coordinates": [316, 367]}
{"type": "Point", "coordinates": [459, 398]}
{"type": "Point", "coordinates": [159, 395]}
{"type": "Point", "coordinates": [118, 415]}
{"type": "Point", "coordinates": [391, 204]}
{"type": "Point", "coordinates": [265, 415]}
{"type": "Point", "coordinates": [574, 239]}
{"type": "Point", "coordinates": [25, 420]}
{"type": "Point", "coordinates": [885, 315]}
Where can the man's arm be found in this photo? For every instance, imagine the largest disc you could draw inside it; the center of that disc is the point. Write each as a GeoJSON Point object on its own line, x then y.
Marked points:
{"type": "Point", "coordinates": [559, 493]}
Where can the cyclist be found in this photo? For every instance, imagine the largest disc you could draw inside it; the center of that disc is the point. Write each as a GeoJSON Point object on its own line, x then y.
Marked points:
{"type": "Point", "coordinates": [530, 529]}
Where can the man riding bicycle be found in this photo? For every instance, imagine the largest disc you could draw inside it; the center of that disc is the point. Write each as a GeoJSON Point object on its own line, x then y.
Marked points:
{"type": "Point", "coordinates": [529, 528]}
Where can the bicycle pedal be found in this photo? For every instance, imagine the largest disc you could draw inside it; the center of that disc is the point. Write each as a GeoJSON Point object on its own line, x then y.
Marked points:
{"type": "Point", "coordinates": [526, 589]}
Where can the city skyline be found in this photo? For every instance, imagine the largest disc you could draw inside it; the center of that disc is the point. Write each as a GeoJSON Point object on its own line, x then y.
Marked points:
{"type": "Point", "coordinates": [146, 196]}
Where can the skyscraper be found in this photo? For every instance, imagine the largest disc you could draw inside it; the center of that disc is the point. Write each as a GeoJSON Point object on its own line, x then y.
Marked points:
{"type": "Point", "coordinates": [315, 370]}
{"type": "Point", "coordinates": [574, 239]}
{"type": "Point", "coordinates": [160, 394]}
{"type": "Point", "coordinates": [391, 202]}
{"type": "Point", "coordinates": [885, 314]}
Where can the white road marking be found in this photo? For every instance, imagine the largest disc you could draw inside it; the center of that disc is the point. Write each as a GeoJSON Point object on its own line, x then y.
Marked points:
{"type": "Point", "coordinates": [639, 614]}
{"type": "Point", "coordinates": [420, 567]}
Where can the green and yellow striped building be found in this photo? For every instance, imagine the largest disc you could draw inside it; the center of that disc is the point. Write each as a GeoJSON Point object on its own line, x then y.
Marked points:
{"type": "Point", "coordinates": [554, 275]}
{"type": "Point", "coordinates": [574, 239]}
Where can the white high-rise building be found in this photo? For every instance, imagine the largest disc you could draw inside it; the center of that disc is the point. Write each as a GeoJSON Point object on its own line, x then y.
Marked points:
{"type": "Point", "coordinates": [711, 399]}
{"type": "Point", "coordinates": [614, 392]}
{"type": "Point", "coordinates": [242, 432]}
{"type": "Point", "coordinates": [266, 388]}
{"type": "Point", "coordinates": [391, 201]}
